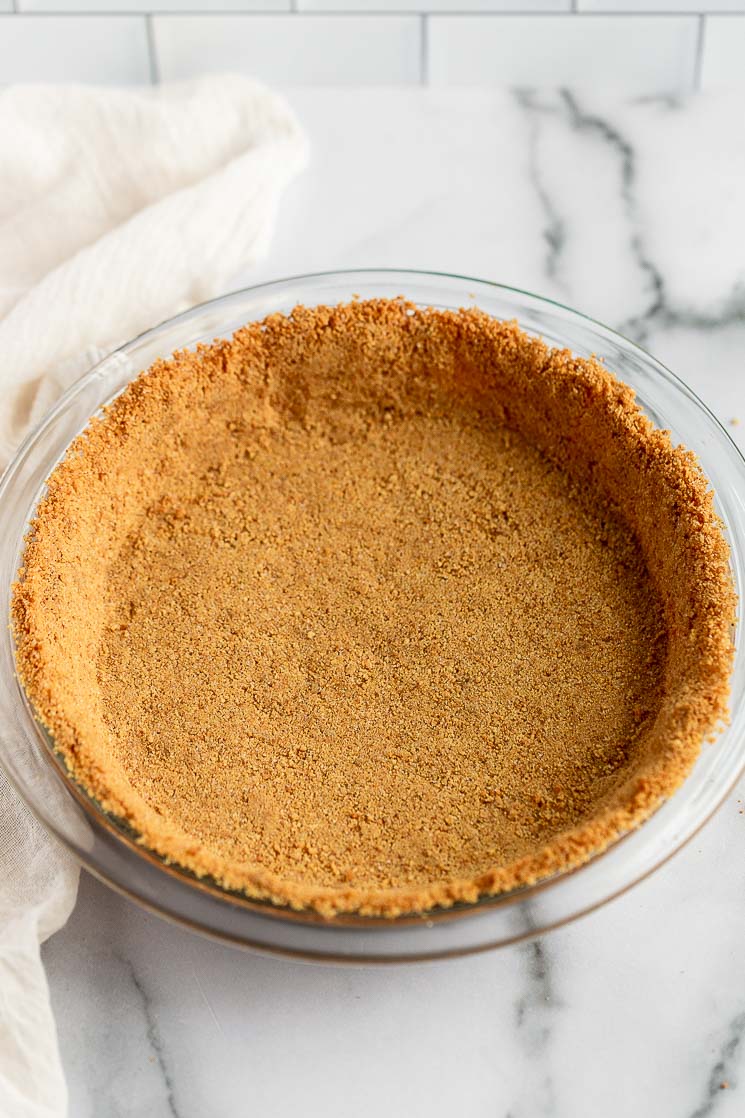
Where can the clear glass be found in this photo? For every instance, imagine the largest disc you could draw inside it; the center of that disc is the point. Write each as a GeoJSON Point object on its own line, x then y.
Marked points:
{"type": "Point", "coordinates": [115, 858]}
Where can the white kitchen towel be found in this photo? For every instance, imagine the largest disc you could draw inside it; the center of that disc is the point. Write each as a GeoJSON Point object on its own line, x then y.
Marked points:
{"type": "Point", "coordinates": [118, 208]}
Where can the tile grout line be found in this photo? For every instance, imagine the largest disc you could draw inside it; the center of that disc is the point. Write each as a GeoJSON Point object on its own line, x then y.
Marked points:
{"type": "Point", "coordinates": [152, 50]}
{"type": "Point", "coordinates": [424, 50]}
{"type": "Point", "coordinates": [496, 14]}
{"type": "Point", "coordinates": [375, 13]}
{"type": "Point", "coordinates": [698, 64]}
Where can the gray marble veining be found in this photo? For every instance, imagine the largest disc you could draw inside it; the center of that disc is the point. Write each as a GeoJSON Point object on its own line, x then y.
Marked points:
{"type": "Point", "coordinates": [155, 1040]}
{"type": "Point", "coordinates": [726, 1063]}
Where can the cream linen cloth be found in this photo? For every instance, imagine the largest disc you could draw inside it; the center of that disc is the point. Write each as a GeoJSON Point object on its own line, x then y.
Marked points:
{"type": "Point", "coordinates": [118, 208]}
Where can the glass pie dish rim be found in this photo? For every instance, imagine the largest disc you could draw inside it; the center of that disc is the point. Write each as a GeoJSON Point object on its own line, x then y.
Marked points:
{"type": "Point", "coordinates": [377, 927]}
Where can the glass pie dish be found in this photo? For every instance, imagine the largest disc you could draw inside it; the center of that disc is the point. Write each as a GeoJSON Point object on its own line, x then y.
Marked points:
{"type": "Point", "coordinates": [108, 850]}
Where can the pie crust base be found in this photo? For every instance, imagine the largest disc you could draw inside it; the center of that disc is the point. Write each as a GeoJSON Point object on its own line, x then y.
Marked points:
{"type": "Point", "coordinates": [374, 609]}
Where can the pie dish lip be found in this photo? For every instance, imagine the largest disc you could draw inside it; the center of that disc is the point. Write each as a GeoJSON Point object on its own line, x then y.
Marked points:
{"type": "Point", "coordinates": [568, 393]}
{"type": "Point", "coordinates": [268, 908]}
{"type": "Point", "coordinates": [304, 277]}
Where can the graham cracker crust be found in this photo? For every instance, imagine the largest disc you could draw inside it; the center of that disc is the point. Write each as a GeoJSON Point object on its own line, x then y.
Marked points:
{"type": "Point", "coordinates": [373, 609]}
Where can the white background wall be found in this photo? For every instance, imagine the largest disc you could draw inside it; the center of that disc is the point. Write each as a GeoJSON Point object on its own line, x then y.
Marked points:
{"type": "Point", "coordinates": [639, 46]}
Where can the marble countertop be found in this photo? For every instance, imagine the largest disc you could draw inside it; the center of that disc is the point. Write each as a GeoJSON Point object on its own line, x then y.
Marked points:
{"type": "Point", "coordinates": [633, 213]}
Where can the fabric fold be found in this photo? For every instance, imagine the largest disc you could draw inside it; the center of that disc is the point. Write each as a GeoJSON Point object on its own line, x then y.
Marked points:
{"type": "Point", "coordinates": [118, 209]}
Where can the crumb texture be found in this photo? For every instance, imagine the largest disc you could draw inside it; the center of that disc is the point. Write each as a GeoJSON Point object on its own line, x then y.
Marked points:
{"type": "Point", "coordinates": [372, 609]}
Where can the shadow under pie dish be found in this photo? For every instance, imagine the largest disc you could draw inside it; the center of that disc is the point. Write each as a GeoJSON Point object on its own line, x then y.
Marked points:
{"type": "Point", "coordinates": [375, 608]}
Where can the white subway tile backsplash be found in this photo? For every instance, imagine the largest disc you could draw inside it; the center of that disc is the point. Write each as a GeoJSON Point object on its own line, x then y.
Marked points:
{"type": "Point", "coordinates": [154, 5]}
{"type": "Point", "coordinates": [435, 5]}
{"type": "Point", "coordinates": [724, 51]}
{"type": "Point", "coordinates": [648, 6]}
{"type": "Point", "coordinates": [636, 46]}
{"type": "Point", "coordinates": [293, 49]}
{"type": "Point", "coordinates": [111, 49]}
{"type": "Point", "coordinates": [639, 54]}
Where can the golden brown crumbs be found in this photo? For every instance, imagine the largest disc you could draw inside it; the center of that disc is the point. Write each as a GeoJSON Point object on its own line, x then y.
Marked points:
{"type": "Point", "coordinates": [373, 609]}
